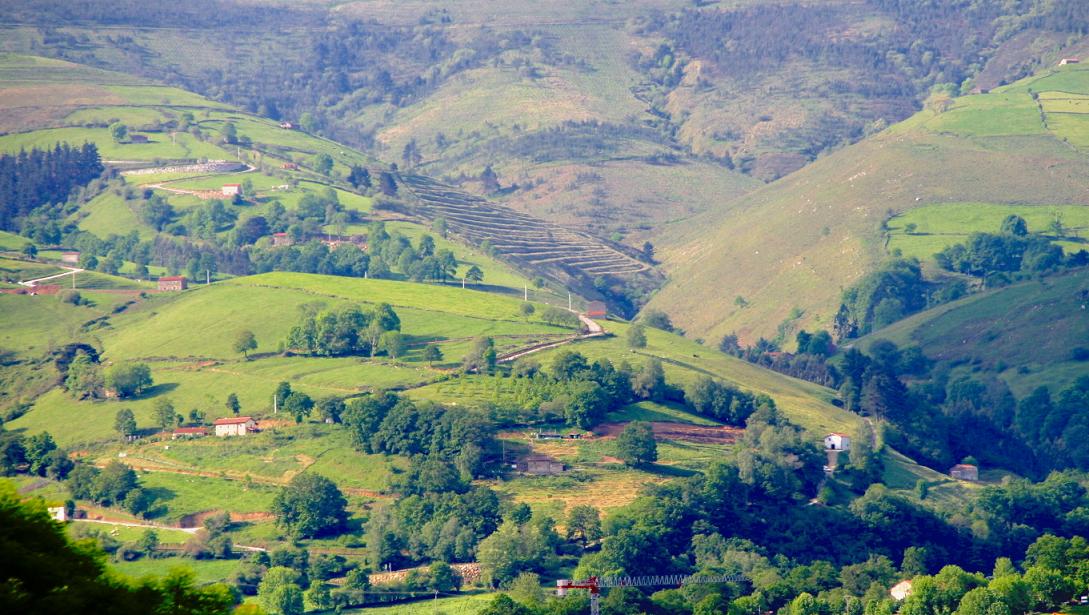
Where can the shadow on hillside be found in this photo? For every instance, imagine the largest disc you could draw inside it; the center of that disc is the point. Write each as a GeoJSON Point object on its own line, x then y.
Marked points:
{"type": "Point", "coordinates": [158, 389]}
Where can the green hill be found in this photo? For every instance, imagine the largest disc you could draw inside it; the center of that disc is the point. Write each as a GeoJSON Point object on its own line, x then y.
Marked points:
{"type": "Point", "coordinates": [789, 249]}
{"type": "Point", "coordinates": [1025, 333]}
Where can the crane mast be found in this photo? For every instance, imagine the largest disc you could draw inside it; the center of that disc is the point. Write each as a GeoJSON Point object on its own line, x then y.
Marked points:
{"type": "Point", "coordinates": [595, 584]}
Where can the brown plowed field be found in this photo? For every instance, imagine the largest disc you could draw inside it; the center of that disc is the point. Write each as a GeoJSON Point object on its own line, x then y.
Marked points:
{"type": "Point", "coordinates": [703, 434]}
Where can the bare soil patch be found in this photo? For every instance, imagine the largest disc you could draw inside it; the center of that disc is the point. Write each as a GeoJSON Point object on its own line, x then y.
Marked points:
{"type": "Point", "coordinates": [704, 434]}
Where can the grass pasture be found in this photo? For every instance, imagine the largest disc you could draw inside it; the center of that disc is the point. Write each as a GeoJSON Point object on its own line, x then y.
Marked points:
{"type": "Point", "coordinates": [940, 225]}
{"type": "Point", "coordinates": [204, 571]}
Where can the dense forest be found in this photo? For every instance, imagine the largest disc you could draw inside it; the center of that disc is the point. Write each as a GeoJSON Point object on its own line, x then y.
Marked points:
{"type": "Point", "coordinates": [29, 180]}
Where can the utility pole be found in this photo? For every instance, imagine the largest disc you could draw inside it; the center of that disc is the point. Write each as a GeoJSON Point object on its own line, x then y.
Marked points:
{"type": "Point", "coordinates": [568, 302]}
{"type": "Point", "coordinates": [207, 277]}
{"type": "Point", "coordinates": [275, 404]}
{"type": "Point", "coordinates": [525, 292]}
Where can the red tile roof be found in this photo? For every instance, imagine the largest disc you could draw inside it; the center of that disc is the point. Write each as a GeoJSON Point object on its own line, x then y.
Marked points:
{"type": "Point", "coordinates": [184, 430]}
{"type": "Point", "coordinates": [234, 420]}
{"type": "Point", "coordinates": [172, 278]}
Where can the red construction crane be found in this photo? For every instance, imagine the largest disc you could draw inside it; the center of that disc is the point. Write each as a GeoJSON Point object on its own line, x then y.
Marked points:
{"type": "Point", "coordinates": [596, 584]}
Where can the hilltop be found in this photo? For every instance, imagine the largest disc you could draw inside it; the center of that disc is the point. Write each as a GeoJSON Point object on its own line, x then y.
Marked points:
{"type": "Point", "coordinates": [787, 251]}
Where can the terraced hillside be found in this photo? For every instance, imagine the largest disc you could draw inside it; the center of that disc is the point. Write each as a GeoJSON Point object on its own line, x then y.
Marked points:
{"type": "Point", "coordinates": [791, 248]}
{"type": "Point", "coordinates": [535, 244]}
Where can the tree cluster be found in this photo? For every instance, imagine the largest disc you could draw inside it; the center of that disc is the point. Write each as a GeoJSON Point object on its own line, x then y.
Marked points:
{"type": "Point", "coordinates": [29, 180]}
{"type": "Point", "coordinates": [347, 331]}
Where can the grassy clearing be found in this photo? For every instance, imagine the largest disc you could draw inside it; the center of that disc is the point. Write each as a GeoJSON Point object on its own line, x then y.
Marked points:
{"type": "Point", "coordinates": [177, 495]}
{"type": "Point", "coordinates": [20, 270]}
{"type": "Point", "coordinates": [174, 325]}
{"type": "Point", "coordinates": [11, 241]}
{"type": "Point", "coordinates": [33, 324]}
{"type": "Point", "coordinates": [126, 533]}
{"type": "Point", "coordinates": [205, 571]}
{"type": "Point", "coordinates": [457, 605]}
{"type": "Point", "coordinates": [438, 298]}
{"type": "Point", "coordinates": [269, 457]}
{"type": "Point", "coordinates": [652, 411]}
{"type": "Point", "coordinates": [1011, 112]}
{"type": "Point", "coordinates": [940, 225]}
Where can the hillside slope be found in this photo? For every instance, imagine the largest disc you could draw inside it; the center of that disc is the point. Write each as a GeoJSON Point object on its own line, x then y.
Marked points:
{"type": "Point", "coordinates": [1026, 333]}
{"type": "Point", "coordinates": [798, 242]}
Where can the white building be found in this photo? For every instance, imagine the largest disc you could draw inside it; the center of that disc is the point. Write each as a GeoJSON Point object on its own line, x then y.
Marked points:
{"type": "Point", "coordinates": [59, 513]}
{"type": "Point", "coordinates": [235, 426]}
{"type": "Point", "coordinates": [232, 189]}
{"type": "Point", "coordinates": [837, 442]}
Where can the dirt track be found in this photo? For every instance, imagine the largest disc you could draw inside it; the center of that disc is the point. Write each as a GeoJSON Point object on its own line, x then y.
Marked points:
{"type": "Point", "coordinates": [702, 434]}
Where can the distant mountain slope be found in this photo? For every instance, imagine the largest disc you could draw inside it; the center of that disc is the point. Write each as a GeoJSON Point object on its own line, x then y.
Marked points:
{"type": "Point", "coordinates": [798, 242]}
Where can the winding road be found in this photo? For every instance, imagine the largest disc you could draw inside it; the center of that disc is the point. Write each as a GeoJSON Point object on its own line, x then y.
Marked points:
{"type": "Point", "coordinates": [34, 282]}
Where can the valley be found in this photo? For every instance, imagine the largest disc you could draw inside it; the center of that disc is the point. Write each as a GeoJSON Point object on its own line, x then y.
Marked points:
{"type": "Point", "coordinates": [740, 308]}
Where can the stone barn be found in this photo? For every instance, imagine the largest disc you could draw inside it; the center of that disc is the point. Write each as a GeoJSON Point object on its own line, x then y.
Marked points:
{"type": "Point", "coordinates": [172, 283]}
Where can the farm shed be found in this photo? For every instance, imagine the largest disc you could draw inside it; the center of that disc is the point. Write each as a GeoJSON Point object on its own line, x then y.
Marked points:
{"type": "Point", "coordinates": [172, 283]}
{"type": "Point", "coordinates": [1065, 61]}
{"type": "Point", "coordinates": [137, 138]}
{"type": "Point", "coordinates": [70, 257]}
{"type": "Point", "coordinates": [964, 471]}
{"type": "Point", "coordinates": [235, 426]}
{"type": "Point", "coordinates": [541, 465]}
{"type": "Point", "coordinates": [596, 309]}
{"type": "Point", "coordinates": [231, 190]}
{"type": "Point", "coordinates": [281, 239]}
{"type": "Point", "coordinates": [188, 432]}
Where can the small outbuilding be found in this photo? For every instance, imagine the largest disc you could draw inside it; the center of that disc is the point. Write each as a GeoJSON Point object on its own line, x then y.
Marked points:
{"type": "Point", "coordinates": [965, 471]}
{"type": "Point", "coordinates": [596, 309]}
{"type": "Point", "coordinates": [1065, 61]}
{"type": "Point", "coordinates": [172, 283]}
{"type": "Point", "coordinates": [231, 190]}
{"type": "Point", "coordinates": [837, 442]}
{"type": "Point", "coordinates": [234, 426]}
{"type": "Point", "coordinates": [71, 258]}
{"type": "Point", "coordinates": [287, 125]}
{"type": "Point", "coordinates": [59, 513]}
{"type": "Point", "coordinates": [189, 432]}
{"type": "Point", "coordinates": [542, 465]}
{"type": "Point", "coordinates": [281, 239]}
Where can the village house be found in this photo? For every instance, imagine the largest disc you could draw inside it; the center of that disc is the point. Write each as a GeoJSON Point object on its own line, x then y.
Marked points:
{"type": "Point", "coordinates": [541, 465]}
{"type": "Point", "coordinates": [235, 426]}
{"type": "Point", "coordinates": [596, 309]}
{"type": "Point", "coordinates": [188, 432]}
{"type": "Point", "coordinates": [289, 166]}
{"type": "Point", "coordinates": [281, 239]}
{"type": "Point", "coordinates": [287, 126]}
{"type": "Point", "coordinates": [901, 590]}
{"type": "Point", "coordinates": [71, 258]}
{"type": "Point", "coordinates": [232, 190]}
{"type": "Point", "coordinates": [1065, 61]}
{"type": "Point", "coordinates": [58, 513]}
{"type": "Point", "coordinates": [837, 442]}
{"type": "Point", "coordinates": [964, 471]}
{"type": "Point", "coordinates": [137, 138]}
{"type": "Point", "coordinates": [172, 283]}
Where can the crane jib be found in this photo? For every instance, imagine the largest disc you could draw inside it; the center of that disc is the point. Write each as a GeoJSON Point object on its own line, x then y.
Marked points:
{"type": "Point", "coordinates": [668, 579]}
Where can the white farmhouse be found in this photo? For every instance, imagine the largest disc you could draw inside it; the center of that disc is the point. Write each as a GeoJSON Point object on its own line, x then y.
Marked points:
{"type": "Point", "coordinates": [837, 442]}
{"type": "Point", "coordinates": [235, 426]}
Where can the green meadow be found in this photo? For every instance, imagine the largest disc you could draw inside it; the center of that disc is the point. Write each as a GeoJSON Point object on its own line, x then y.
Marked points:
{"type": "Point", "coordinates": [940, 225]}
